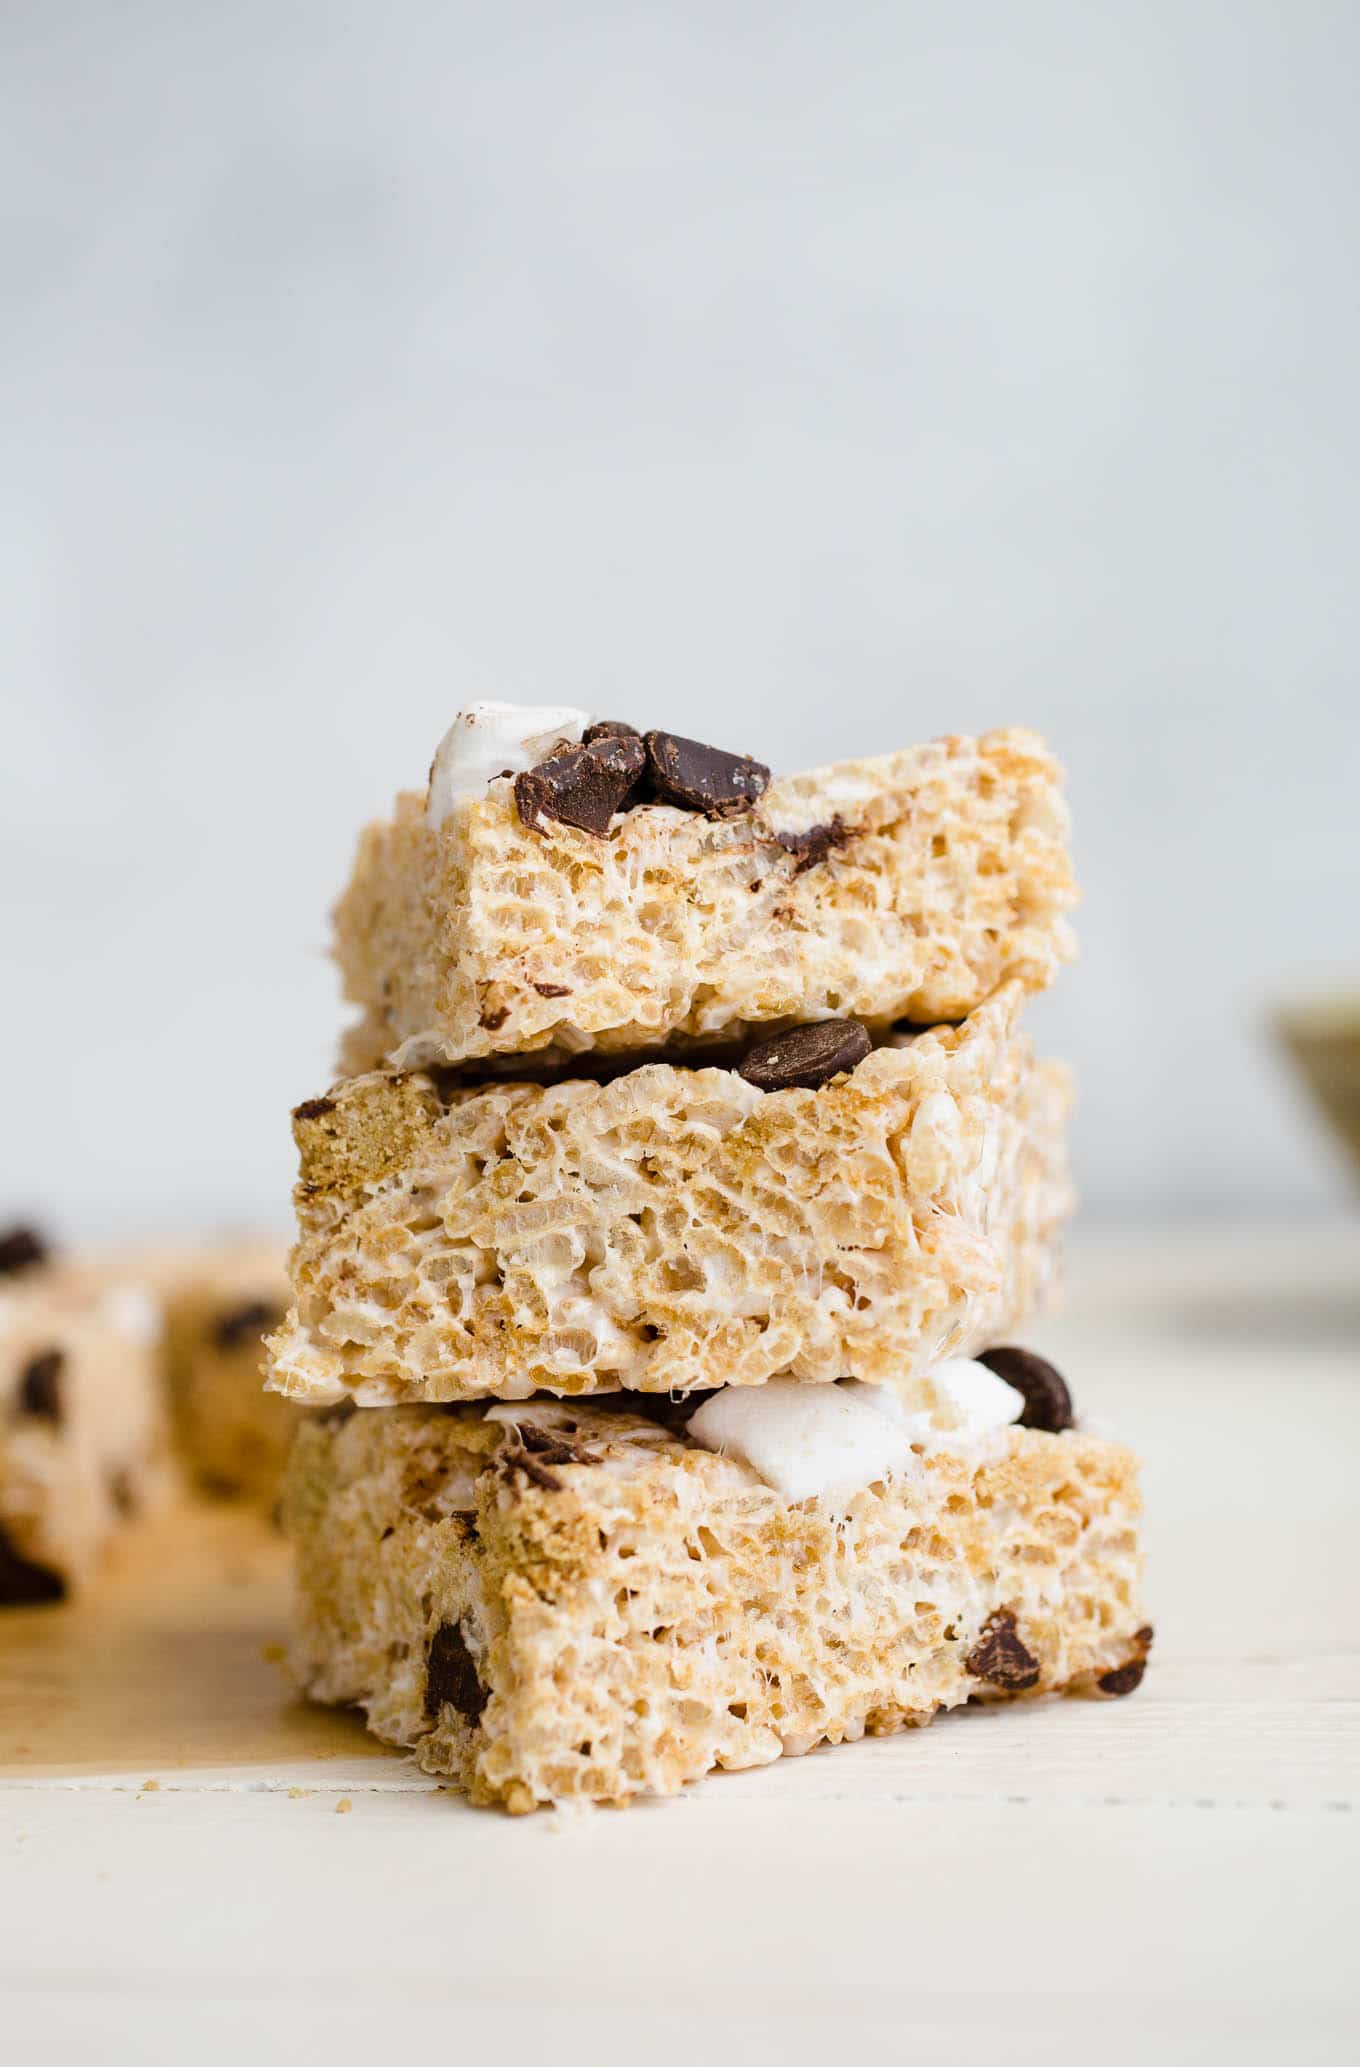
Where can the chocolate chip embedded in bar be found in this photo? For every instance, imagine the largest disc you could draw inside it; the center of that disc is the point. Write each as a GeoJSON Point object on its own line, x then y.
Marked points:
{"type": "Point", "coordinates": [20, 1249]}
{"type": "Point", "coordinates": [313, 1108]}
{"type": "Point", "coordinates": [806, 1057]}
{"type": "Point", "coordinates": [451, 1676]}
{"type": "Point", "coordinates": [1048, 1403]}
{"type": "Point", "coordinates": [1000, 1658]}
{"type": "Point", "coordinates": [815, 844]}
{"type": "Point", "coordinates": [703, 778]}
{"type": "Point", "coordinates": [582, 785]}
{"type": "Point", "coordinates": [24, 1584]}
{"type": "Point", "coordinates": [40, 1388]}
{"type": "Point", "coordinates": [1125, 1678]}
{"type": "Point", "coordinates": [608, 728]}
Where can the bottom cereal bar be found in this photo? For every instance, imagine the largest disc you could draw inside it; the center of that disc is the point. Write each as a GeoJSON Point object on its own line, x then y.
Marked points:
{"type": "Point", "coordinates": [557, 1601]}
{"type": "Point", "coordinates": [83, 1445]}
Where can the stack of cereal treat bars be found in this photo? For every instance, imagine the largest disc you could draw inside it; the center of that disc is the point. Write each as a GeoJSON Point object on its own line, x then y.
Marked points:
{"type": "Point", "coordinates": [660, 1256]}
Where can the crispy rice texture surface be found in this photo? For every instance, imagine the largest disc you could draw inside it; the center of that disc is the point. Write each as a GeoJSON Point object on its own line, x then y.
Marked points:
{"type": "Point", "coordinates": [614, 1612]}
{"type": "Point", "coordinates": [95, 1454]}
{"type": "Point", "coordinates": [675, 1229]}
{"type": "Point", "coordinates": [948, 874]}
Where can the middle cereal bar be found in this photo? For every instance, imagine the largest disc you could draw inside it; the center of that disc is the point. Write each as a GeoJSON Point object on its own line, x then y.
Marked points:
{"type": "Point", "coordinates": [676, 1229]}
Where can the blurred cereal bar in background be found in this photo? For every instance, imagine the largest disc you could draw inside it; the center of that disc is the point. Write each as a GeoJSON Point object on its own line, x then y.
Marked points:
{"type": "Point", "coordinates": [221, 1299]}
{"type": "Point", "coordinates": [84, 1442]}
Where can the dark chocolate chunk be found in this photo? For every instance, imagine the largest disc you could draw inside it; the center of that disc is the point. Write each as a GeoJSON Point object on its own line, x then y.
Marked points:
{"type": "Point", "coordinates": [703, 778]}
{"type": "Point", "coordinates": [24, 1584]}
{"type": "Point", "coordinates": [40, 1387]}
{"type": "Point", "coordinates": [1048, 1403]}
{"type": "Point", "coordinates": [536, 1448]}
{"type": "Point", "coordinates": [553, 1445]}
{"type": "Point", "coordinates": [815, 844]}
{"type": "Point", "coordinates": [219, 1485]}
{"type": "Point", "coordinates": [582, 785]}
{"type": "Point", "coordinates": [20, 1249]}
{"type": "Point", "coordinates": [553, 990]}
{"type": "Point", "coordinates": [1122, 1679]}
{"type": "Point", "coordinates": [451, 1676]}
{"type": "Point", "coordinates": [123, 1493]}
{"type": "Point", "coordinates": [494, 1021]}
{"type": "Point", "coordinates": [608, 728]}
{"type": "Point", "coordinates": [515, 1458]}
{"type": "Point", "coordinates": [806, 1056]}
{"type": "Point", "coordinates": [246, 1323]}
{"type": "Point", "coordinates": [313, 1109]}
{"type": "Point", "coordinates": [1000, 1658]}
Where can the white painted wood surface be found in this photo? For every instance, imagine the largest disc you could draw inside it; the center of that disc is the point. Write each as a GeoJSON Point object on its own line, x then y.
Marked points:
{"type": "Point", "coordinates": [1171, 1877]}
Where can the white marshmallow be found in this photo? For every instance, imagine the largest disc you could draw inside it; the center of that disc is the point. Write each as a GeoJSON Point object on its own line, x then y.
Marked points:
{"type": "Point", "coordinates": [131, 1312]}
{"type": "Point", "coordinates": [828, 1442]}
{"type": "Point", "coordinates": [808, 1442]}
{"type": "Point", "coordinates": [982, 1401]}
{"type": "Point", "coordinates": [491, 739]}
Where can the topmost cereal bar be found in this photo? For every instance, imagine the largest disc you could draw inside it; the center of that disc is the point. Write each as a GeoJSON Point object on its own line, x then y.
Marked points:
{"type": "Point", "coordinates": [566, 885]}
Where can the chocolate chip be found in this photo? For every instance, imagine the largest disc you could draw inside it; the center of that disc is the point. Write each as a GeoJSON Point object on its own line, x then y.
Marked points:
{"type": "Point", "coordinates": [552, 1445]}
{"type": "Point", "coordinates": [313, 1108]}
{"type": "Point", "coordinates": [219, 1485]}
{"type": "Point", "coordinates": [608, 728]}
{"type": "Point", "coordinates": [123, 1493]}
{"type": "Point", "coordinates": [703, 778]}
{"type": "Point", "coordinates": [494, 1021]}
{"type": "Point", "coordinates": [1000, 1658]}
{"type": "Point", "coordinates": [553, 990]}
{"type": "Point", "coordinates": [24, 1584]}
{"type": "Point", "coordinates": [513, 1459]}
{"type": "Point", "coordinates": [246, 1323]}
{"type": "Point", "coordinates": [451, 1676]}
{"type": "Point", "coordinates": [1124, 1678]}
{"type": "Point", "coordinates": [815, 844]}
{"type": "Point", "coordinates": [40, 1387]}
{"type": "Point", "coordinates": [582, 785]}
{"type": "Point", "coordinates": [1048, 1403]}
{"type": "Point", "coordinates": [536, 1448]}
{"type": "Point", "coordinates": [20, 1249]}
{"type": "Point", "coordinates": [806, 1056]}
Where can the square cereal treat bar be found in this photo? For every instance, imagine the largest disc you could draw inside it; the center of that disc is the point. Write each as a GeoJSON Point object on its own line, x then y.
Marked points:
{"type": "Point", "coordinates": [622, 893]}
{"type": "Point", "coordinates": [672, 1228]}
{"type": "Point", "coordinates": [221, 1300]}
{"type": "Point", "coordinates": [83, 1441]}
{"type": "Point", "coordinates": [564, 1602]}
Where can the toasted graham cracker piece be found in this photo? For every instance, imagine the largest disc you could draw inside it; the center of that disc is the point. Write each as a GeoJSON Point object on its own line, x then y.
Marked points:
{"type": "Point", "coordinates": [909, 886]}
{"type": "Point", "coordinates": [589, 1608]}
{"type": "Point", "coordinates": [84, 1446]}
{"type": "Point", "coordinates": [675, 1229]}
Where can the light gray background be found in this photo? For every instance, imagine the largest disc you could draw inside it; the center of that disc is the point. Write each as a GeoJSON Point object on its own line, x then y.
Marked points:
{"type": "Point", "coordinates": [812, 378]}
